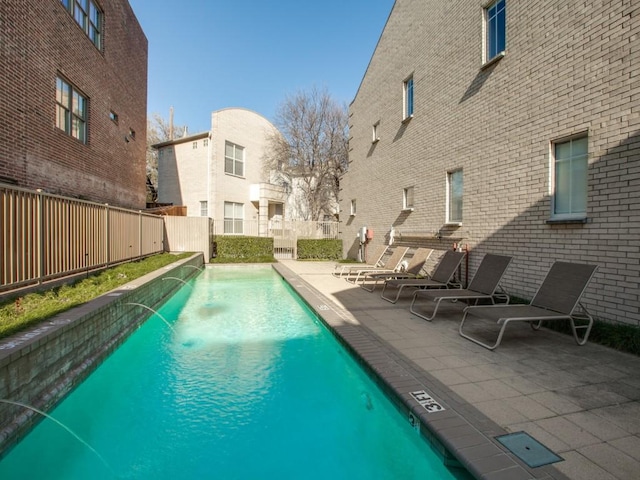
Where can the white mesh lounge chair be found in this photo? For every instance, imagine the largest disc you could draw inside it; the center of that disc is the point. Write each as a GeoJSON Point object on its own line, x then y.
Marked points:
{"type": "Point", "coordinates": [414, 267]}
{"type": "Point", "coordinates": [556, 299]}
{"type": "Point", "coordinates": [484, 284]}
{"type": "Point", "coordinates": [375, 260]}
{"type": "Point", "coordinates": [392, 264]}
{"type": "Point", "coordinates": [440, 278]}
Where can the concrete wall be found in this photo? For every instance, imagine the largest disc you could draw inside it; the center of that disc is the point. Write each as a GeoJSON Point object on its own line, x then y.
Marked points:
{"type": "Point", "coordinates": [41, 365]}
{"type": "Point", "coordinates": [570, 68]}
{"type": "Point", "coordinates": [39, 41]}
{"type": "Point", "coordinates": [189, 234]}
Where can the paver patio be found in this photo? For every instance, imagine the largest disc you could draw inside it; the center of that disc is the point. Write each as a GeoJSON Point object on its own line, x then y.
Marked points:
{"type": "Point", "coordinates": [583, 403]}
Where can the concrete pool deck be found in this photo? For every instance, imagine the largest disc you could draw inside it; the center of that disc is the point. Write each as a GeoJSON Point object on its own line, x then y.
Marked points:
{"type": "Point", "coordinates": [582, 403]}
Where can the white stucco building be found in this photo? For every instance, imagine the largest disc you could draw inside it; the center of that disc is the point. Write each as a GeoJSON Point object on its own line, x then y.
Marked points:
{"type": "Point", "coordinates": [219, 173]}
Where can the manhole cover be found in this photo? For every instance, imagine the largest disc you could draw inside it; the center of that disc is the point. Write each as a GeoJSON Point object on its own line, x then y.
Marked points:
{"type": "Point", "coordinates": [528, 449]}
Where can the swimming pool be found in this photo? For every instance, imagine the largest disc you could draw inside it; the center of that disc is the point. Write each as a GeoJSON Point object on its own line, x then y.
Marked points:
{"type": "Point", "coordinates": [245, 382]}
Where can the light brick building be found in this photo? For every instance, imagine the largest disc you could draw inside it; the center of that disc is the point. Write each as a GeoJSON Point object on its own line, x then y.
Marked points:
{"type": "Point", "coordinates": [219, 174]}
{"type": "Point", "coordinates": [73, 99]}
{"type": "Point", "coordinates": [512, 127]}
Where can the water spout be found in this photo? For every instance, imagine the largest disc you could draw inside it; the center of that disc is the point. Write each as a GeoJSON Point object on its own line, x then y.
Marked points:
{"type": "Point", "coordinates": [153, 311]}
{"type": "Point", "coordinates": [194, 266]}
{"type": "Point", "coordinates": [178, 279]}
{"type": "Point", "coordinates": [60, 424]}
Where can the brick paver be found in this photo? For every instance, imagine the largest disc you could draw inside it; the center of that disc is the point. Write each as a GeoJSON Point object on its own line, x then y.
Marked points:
{"type": "Point", "coordinates": [581, 402]}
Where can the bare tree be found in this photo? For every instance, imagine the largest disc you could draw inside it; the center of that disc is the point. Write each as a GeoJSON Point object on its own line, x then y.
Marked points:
{"type": "Point", "coordinates": [310, 152]}
{"type": "Point", "coordinates": [158, 130]}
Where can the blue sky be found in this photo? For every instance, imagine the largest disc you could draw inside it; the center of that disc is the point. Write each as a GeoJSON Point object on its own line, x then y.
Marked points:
{"type": "Point", "coordinates": [205, 55]}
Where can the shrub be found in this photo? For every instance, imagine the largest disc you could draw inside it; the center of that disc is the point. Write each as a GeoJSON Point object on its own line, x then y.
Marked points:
{"type": "Point", "coordinates": [319, 249]}
{"type": "Point", "coordinates": [238, 249]}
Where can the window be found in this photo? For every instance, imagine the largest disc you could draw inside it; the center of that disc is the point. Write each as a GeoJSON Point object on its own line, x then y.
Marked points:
{"type": "Point", "coordinates": [408, 98]}
{"type": "Point", "coordinates": [495, 30]}
{"type": "Point", "coordinates": [205, 142]}
{"type": "Point", "coordinates": [407, 198]}
{"type": "Point", "coordinates": [454, 197]}
{"type": "Point", "coordinates": [71, 110]}
{"type": "Point", "coordinates": [204, 208]}
{"type": "Point", "coordinates": [233, 218]}
{"type": "Point", "coordinates": [113, 116]}
{"type": "Point", "coordinates": [375, 132]}
{"type": "Point", "coordinates": [87, 14]}
{"type": "Point", "coordinates": [194, 145]}
{"type": "Point", "coordinates": [570, 179]}
{"type": "Point", "coordinates": [233, 159]}
{"type": "Point", "coordinates": [353, 207]}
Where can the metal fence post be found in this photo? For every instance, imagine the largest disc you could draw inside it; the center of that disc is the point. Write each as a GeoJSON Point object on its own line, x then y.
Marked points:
{"type": "Point", "coordinates": [40, 236]}
{"type": "Point", "coordinates": [139, 234]}
{"type": "Point", "coordinates": [107, 233]}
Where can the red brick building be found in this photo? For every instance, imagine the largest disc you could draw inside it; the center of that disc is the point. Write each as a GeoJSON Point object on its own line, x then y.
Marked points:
{"type": "Point", "coordinates": [73, 99]}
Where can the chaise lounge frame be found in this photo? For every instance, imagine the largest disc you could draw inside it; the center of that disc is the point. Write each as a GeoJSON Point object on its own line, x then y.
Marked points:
{"type": "Point", "coordinates": [441, 277]}
{"type": "Point", "coordinates": [414, 267]}
{"type": "Point", "coordinates": [556, 299]}
{"type": "Point", "coordinates": [391, 265]}
{"type": "Point", "coordinates": [344, 269]}
{"type": "Point", "coordinates": [484, 284]}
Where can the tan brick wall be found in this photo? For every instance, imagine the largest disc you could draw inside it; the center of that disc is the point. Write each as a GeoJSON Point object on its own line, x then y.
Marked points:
{"type": "Point", "coordinates": [569, 67]}
{"type": "Point", "coordinates": [40, 40]}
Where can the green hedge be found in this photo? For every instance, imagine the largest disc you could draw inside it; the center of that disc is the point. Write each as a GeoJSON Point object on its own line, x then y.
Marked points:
{"type": "Point", "coordinates": [619, 336]}
{"type": "Point", "coordinates": [319, 249]}
{"type": "Point", "coordinates": [232, 249]}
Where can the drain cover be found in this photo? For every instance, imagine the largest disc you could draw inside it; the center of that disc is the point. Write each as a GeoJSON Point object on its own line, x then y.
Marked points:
{"type": "Point", "coordinates": [527, 449]}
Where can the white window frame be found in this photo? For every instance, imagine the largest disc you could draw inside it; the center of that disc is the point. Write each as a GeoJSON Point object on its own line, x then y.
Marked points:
{"type": "Point", "coordinates": [408, 100]}
{"type": "Point", "coordinates": [375, 132]}
{"type": "Point", "coordinates": [204, 208]}
{"type": "Point", "coordinates": [352, 211]}
{"type": "Point", "coordinates": [233, 218]}
{"type": "Point", "coordinates": [578, 163]}
{"type": "Point", "coordinates": [234, 164]}
{"type": "Point", "coordinates": [452, 219]}
{"type": "Point", "coordinates": [71, 110]}
{"type": "Point", "coordinates": [408, 199]}
{"type": "Point", "coordinates": [490, 22]}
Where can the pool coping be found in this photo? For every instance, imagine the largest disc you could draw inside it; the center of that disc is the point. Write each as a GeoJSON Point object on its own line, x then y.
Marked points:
{"type": "Point", "coordinates": [459, 433]}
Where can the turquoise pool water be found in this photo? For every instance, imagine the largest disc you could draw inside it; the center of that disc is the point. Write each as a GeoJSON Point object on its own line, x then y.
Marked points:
{"type": "Point", "coordinates": [246, 385]}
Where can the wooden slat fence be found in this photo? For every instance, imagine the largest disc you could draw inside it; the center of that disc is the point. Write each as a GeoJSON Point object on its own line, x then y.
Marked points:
{"type": "Point", "coordinates": [44, 236]}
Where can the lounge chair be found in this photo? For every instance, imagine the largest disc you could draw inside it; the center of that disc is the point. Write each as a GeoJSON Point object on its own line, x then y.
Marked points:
{"type": "Point", "coordinates": [556, 299]}
{"type": "Point", "coordinates": [391, 265]}
{"type": "Point", "coordinates": [440, 278]}
{"type": "Point", "coordinates": [414, 267]}
{"type": "Point", "coordinates": [484, 284]}
{"type": "Point", "coordinates": [375, 255]}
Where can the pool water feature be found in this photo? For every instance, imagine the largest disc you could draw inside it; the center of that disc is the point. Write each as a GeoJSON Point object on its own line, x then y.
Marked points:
{"type": "Point", "coordinates": [247, 384]}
